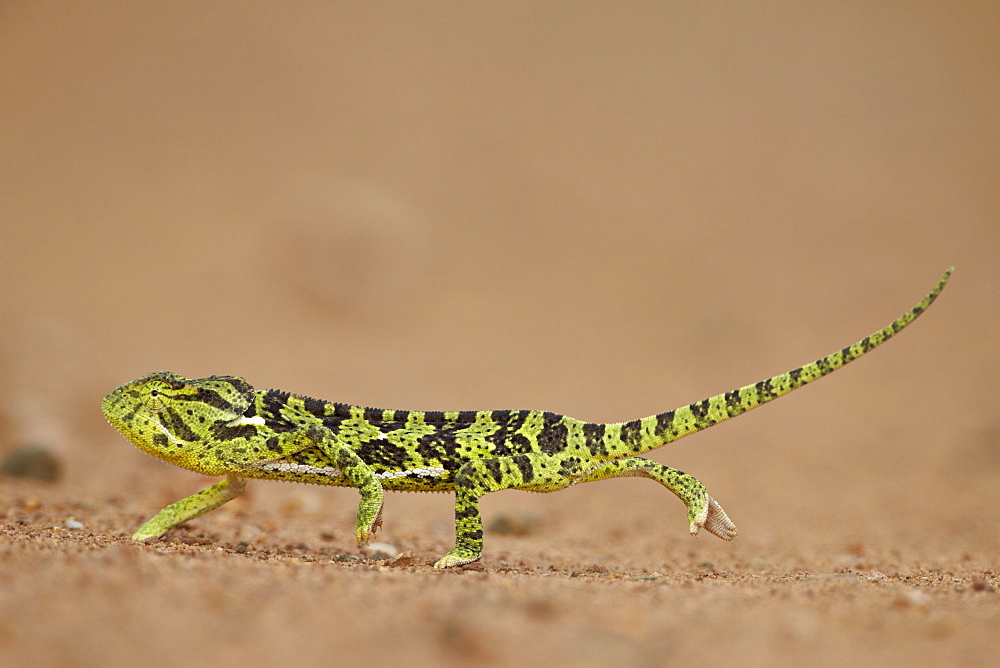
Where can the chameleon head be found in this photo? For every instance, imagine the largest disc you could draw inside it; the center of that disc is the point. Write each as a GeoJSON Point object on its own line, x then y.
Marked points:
{"type": "Point", "coordinates": [173, 418]}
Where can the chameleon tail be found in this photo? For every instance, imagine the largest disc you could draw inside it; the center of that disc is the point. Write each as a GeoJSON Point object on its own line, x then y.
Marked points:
{"type": "Point", "coordinates": [638, 436]}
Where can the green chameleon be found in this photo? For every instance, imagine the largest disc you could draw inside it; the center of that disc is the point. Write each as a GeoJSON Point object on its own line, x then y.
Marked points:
{"type": "Point", "coordinates": [221, 426]}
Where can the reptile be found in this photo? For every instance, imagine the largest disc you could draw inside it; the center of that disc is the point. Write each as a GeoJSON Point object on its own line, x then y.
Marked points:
{"type": "Point", "coordinates": [222, 426]}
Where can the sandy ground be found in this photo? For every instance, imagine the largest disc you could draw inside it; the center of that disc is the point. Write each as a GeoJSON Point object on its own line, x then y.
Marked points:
{"type": "Point", "coordinates": [280, 583]}
{"type": "Point", "coordinates": [577, 208]}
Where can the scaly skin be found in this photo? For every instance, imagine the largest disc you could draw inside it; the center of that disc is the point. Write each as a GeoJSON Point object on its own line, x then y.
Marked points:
{"type": "Point", "coordinates": [220, 425]}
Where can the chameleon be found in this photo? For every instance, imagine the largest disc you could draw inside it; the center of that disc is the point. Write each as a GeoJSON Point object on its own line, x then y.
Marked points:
{"type": "Point", "coordinates": [222, 426]}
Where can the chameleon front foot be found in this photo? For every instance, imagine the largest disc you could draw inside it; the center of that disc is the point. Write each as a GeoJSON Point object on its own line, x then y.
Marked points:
{"type": "Point", "coordinates": [142, 536]}
{"type": "Point", "coordinates": [163, 522]}
{"type": "Point", "coordinates": [713, 519]}
{"type": "Point", "coordinates": [193, 506]}
{"type": "Point", "coordinates": [367, 528]}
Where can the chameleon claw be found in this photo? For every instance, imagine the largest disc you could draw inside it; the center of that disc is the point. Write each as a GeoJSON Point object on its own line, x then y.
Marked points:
{"type": "Point", "coordinates": [449, 560]}
{"type": "Point", "coordinates": [154, 528]}
{"type": "Point", "coordinates": [140, 537]}
{"type": "Point", "coordinates": [364, 534]}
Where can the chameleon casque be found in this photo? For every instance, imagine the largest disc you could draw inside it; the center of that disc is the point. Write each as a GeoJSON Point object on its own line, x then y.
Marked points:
{"type": "Point", "coordinates": [220, 425]}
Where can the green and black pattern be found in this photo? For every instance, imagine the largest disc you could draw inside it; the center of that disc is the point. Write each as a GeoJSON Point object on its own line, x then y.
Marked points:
{"type": "Point", "coordinates": [222, 426]}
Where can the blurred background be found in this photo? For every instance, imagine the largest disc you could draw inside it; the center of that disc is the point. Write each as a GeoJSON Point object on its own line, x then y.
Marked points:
{"type": "Point", "coordinates": [596, 209]}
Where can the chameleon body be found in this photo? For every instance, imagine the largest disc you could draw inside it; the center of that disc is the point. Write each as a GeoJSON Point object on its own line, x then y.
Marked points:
{"type": "Point", "coordinates": [221, 426]}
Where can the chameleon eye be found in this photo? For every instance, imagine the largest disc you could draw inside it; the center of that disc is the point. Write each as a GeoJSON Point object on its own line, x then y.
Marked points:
{"type": "Point", "coordinates": [153, 396]}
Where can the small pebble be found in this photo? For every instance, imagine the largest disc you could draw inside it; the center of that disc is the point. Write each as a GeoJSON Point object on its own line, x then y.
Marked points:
{"type": "Point", "coordinates": [912, 597]}
{"type": "Point", "coordinates": [979, 583]}
{"type": "Point", "coordinates": [73, 524]}
{"type": "Point", "coordinates": [831, 577]}
{"type": "Point", "coordinates": [386, 550]}
{"type": "Point", "coordinates": [346, 557]}
{"type": "Point", "coordinates": [404, 558]}
{"type": "Point", "coordinates": [32, 463]}
{"type": "Point", "coordinates": [522, 523]}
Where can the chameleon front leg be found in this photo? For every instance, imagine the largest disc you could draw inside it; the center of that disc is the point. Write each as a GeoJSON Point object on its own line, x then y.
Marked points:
{"type": "Point", "coordinates": [191, 507]}
{"type": "Point", "coordinates": [703, 511]}
{"type": "Point", "coordinates": [345, 465]}
{"type": "Point", "coordinates": [359, 475]}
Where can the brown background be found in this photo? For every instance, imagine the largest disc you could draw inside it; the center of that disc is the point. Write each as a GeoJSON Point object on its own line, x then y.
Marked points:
{"type": "Point", "coordinates": [596, 209]}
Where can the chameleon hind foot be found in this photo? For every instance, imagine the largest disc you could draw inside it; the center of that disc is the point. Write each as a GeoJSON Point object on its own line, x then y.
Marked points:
{"type": "Point", "coordinates": [457, 557]}
{"type": "Point", "coordinates": [713, 519]}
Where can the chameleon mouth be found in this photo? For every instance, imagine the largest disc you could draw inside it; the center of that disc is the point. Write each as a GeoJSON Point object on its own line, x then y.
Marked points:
{"type": "Point", "coordinates": [109, 406]}
{"type": "Point", "coordinates": [113, 406]}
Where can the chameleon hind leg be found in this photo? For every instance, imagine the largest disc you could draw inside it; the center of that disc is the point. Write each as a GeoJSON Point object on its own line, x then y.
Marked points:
{"type": "Point", "coordinates": [540, 473]}
{"type": "Point", "coordinates": [703, 511]}
{"type": "Point", "coordinates": [191, 507]}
